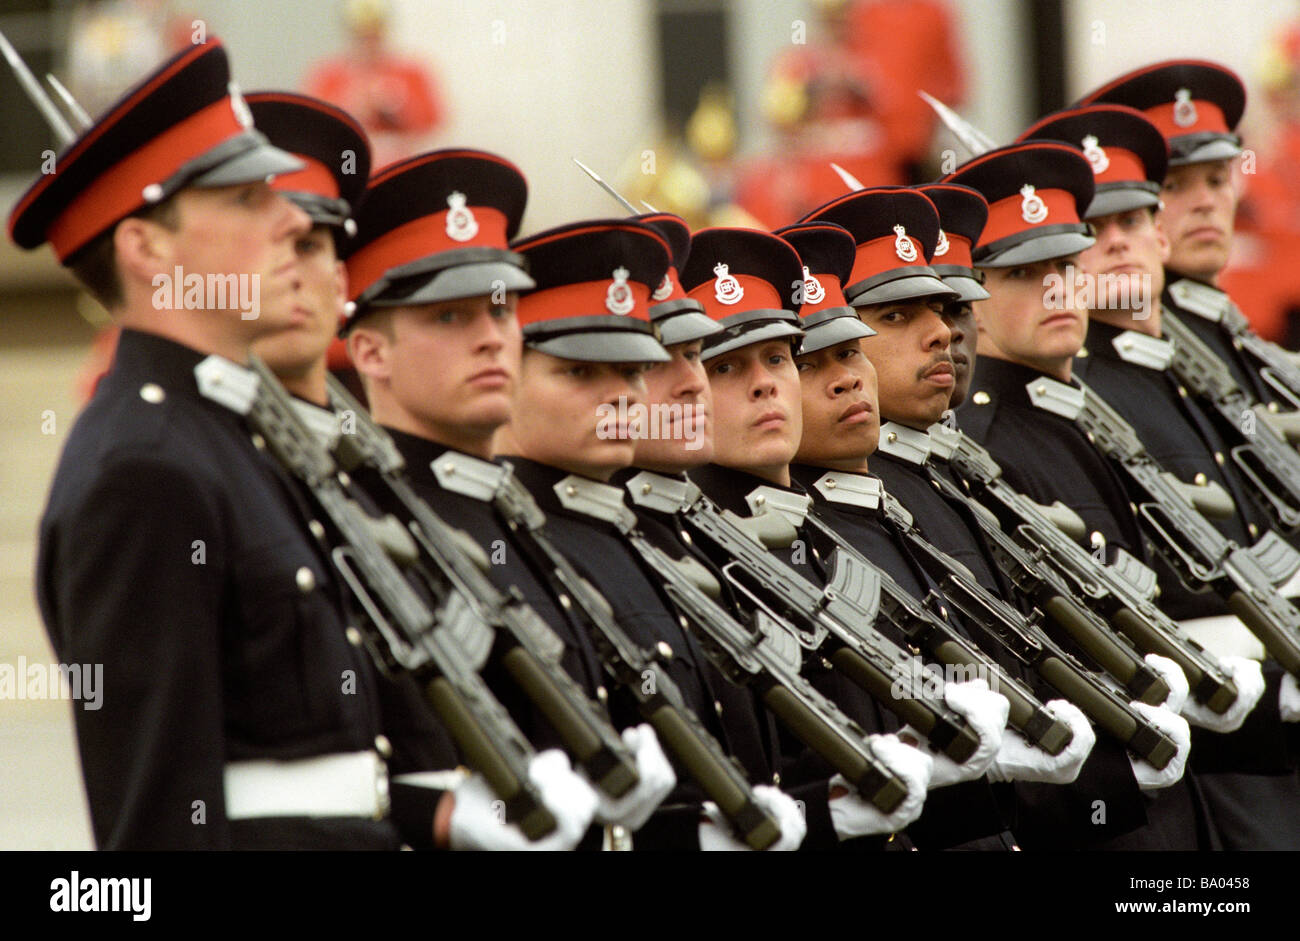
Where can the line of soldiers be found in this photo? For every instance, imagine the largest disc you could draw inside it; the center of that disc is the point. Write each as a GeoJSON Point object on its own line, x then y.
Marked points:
{"type": "Point", "coordinates": [657, 539]}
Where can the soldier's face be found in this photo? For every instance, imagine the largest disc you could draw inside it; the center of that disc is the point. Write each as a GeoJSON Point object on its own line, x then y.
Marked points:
{"type": "Point", "coordinates": [912, 355]}
{"type": "Point", "coordinates": [1126, 265]}
{"type": "Point", "coordinates": [1018, 323]}
{"type": "Point", "coordinates": [960, 318]}
{"type": "Point", "coordinates": [1200, 202]}
{"type": "Point", "coordinates": [758, 418]}
{"type": "Point", "coordinates": [245, 236]}
{"type": "Point", "coordinates": [575, 415]}
{"type": "Point", "coordinates": [448, 370]}
{"type": "Point", "coordinates": [313, 309]}
{"type": "Point", "coordinates": [677, 433]}
{"type": "Point", "coordinates": [841, 426]}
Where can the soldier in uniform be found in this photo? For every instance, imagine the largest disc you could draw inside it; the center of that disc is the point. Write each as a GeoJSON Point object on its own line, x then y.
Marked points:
{"type": "Point", "coordinates": [236, 714]}
{"type": "Point", "coordinates": [434, 281]}
{"type": "Point", "coordinates": [1196, 106]}
{"type": "Point", "coordinates": [1024, 401]}
{"type": "Point", "coordinates": [681, 440]}
{"type": "Point", "coordinates": [741, 278]}
{"type": "Point", "coordinates": [334, 149]}
{"type": "Point", "coordinates": [587, 337]}
{"type": "Point", "coordinates": [840, 429]}
{"type": "Point", "coordinates": [1126, 360]}
{"type": "Point", "coordinates": [903, 302]}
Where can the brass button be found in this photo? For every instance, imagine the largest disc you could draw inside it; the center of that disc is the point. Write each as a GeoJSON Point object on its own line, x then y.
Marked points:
{"type": "Point", "coordinates": [1254, 530]}
{"type": "Point", "coordinates": [1200, 480]}
{"type": "Point", "coordinates": [344, 479]}
{"type": "Point", "coordinates": [354, 636]}
{"type": "Point", "coordinates": [571, 490]}
{"type": "Point", "coordinates": [448, 468]}
{"type": "Point", "coordinates": [664, 649]}
{"type": "Point", "coordinates": [891, 437]}
{"type": "Point", "coordinates": [717, 706]}
{"type": "Point", "coordinates": [565, 602]}
{"type": "Point", "coordinates": [760, 500]}
{"type": "Point", "coordinates": [152, 393]}
{"type": "Point", "coordinates": [602, 694]}
{"type": "Point", "coordinates": [383, 746]}
{"type": "Point", "coordinates": [686, 537]}
{"type": "Point", "coordinates": [258, 441]}
{"type": "Point", "coordinates": [1218, 458]}
{"type": "Point", "coordinates": [646, 488]}
{"type": "Point", "coordinates": [980, 398]}
{"type": "Point", "coordinates": [316, 529]}
{"type": "Point", "coordinates": [305, 578]}
{"type": "Point", "coordinates": [776, 778]}
{"type": "Point", "coordinates": [1040, 390]}
{"type": "Point", "coordinates": [1272, 407]}
{"type": "Point", "coordinates": [830, 484]}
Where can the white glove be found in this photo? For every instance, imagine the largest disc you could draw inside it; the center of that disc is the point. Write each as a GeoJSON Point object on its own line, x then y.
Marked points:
{"type": "Point", "coordinates": [1148, 778]}
{"type": "Point", "coordinates": [852, 815]}
{"type": "Point", "coordinates": [1288, 700]}
{"type": "Point", "coordinates": [1020, 761]}
{"type": "Point", "coordinates": [656, 779]}
{"type": "Point", "coordinates": [987, 713]}
{"type": "Point", "coordinates": [478, 819]}
{"type": "Point", "coordinates": [1248, 677]}
{"type": "Point", "coordinates": [716, 835]}
{"type": "Point", "coordinates": [1174, 678]}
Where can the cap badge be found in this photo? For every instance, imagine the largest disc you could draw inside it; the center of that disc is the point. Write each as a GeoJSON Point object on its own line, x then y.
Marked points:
{"type": "Point", "coordinates": [1184, 108]}
{"type": "Point", "coordinates": [1096, 155]}
{"type": "Point", "coordinates": [725, 287]}
{"type": "Point", "coordinates": [243, 114]}
{"type": "Point", "coordinates": [618, 298]}
{"type": "Point", "coordinates": [813, 292]}
{"type": "Point", "coordinates": [461, 224]}
{"type": "Point", "coordinates": [662, 292]}
{"type": "Point", "coordinates": [1032, 208]}
{"type": "Point", "coordinates": [903, 246]}
{"type": "Point", "coordinates": [941, 247]}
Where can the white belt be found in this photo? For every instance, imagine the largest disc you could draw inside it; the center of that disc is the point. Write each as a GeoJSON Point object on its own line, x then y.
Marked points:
{"type": "Point", "coordinates": [1224, 635]}
{"type": "Point", "coordinates": [354, 784]}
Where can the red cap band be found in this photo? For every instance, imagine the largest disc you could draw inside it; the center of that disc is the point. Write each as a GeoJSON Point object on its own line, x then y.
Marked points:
{"type": "Point", "coordinates": [585, 299]}
{"type": "Point", "coordinates": [420, 238]}
{"type": "Point", "coordinates": [750, 292]}
{"type": "Point", "coordinates": [118, 192]}
{"type": "Point", "coordinates": [1007, 216]}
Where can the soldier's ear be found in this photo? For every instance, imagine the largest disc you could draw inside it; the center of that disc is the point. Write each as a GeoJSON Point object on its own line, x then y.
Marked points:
{"type": "Point", "coordinates": [143, 248]}
{"type": "Point", "coordinates": [370, 352]}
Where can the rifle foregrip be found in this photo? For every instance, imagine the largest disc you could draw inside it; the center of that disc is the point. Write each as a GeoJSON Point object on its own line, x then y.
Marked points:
{"type": "Point", "coordinates": [884, 790]}
{"type": "Point", "coordinates": [720, 781]}
{"type": "Point", "coordinates": [1141, 682]}
{"type": "Point", "coordinates": [1026, 717]}
{"type": "Point", "coordinates": [957, 741]}
{"type": "Point", "coordinates": [1215, 694]}
{"type": "Point", "coordinates": [612, 771]}
{"type": "Point", "coordinates": [522, 805]}
{"type": "Point", "coordinates": [1281, 647]}
{"type": "Point", "coordinates": [1147, 742]}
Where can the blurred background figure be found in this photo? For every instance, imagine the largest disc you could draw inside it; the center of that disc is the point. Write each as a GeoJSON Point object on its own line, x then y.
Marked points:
{"type": "Point", "coordinates": [395, 98]}
{"type": "Point", "coordinates": [1264, 273]}
{"type": "Point", "coordinates": [111, 43]}
{"type": "Point", "coordinates": [848, 95]}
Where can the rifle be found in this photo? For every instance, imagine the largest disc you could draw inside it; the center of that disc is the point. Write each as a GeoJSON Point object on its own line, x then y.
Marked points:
{"type": "Point", "coordinates": [1265, 457]}
{"type": "Point", "coordinates": [442, 649]}
{"type": "Point", "coordinates": [1046, 565]}
{"type": "Point", "coordinates": [1243, 577]}
{"type": "Point", "coordinates": [836, 621]}
{"type": "Point", "coordinates": [767, 655]}
{"type": "Point", "coordinates": [1021, 637]}
{"type": "Point", "coordinates": [532, 657]}
{"type": "Point", "coordinates": [917, 621]}
{"type": "Point", "coordinates": [638, 670]}
{"type": "Point", "coordinates": [1278, 369]}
